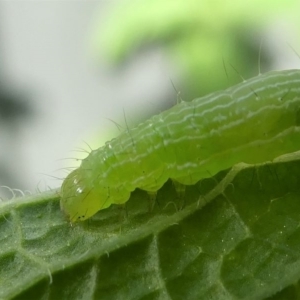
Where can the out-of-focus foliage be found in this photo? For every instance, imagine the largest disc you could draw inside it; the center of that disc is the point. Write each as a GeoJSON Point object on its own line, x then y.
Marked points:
{"type": "Point", "coordinates": [11, 108]}
{"type": "Point", "coordinates": [15, 113]}
{"type": "Point", "coordinates": [199, 37]}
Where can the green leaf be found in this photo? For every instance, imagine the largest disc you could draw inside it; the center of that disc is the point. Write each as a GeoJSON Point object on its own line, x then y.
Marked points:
{"type": "Point", "coordinates": [236, 237]}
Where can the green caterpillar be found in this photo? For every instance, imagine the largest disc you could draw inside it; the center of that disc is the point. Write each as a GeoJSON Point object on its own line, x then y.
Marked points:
{"type": "Point", "coordinates": [252, 122]}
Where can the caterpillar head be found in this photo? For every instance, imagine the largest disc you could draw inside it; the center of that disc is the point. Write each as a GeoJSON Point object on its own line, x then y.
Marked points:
{"type": "Point", "coordinates": [79, 200]}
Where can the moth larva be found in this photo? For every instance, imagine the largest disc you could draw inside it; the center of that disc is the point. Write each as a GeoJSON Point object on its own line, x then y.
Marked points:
{"type": "Point", "coordinates": [252, 122]}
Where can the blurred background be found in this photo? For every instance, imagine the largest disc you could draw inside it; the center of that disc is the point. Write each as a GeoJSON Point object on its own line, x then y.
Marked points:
{"type": "Point", "coordinates": [74, 72]}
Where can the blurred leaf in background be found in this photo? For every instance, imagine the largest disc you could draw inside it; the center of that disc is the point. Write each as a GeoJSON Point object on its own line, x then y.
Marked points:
{"type": "Point", "coordinates": [205, 40]}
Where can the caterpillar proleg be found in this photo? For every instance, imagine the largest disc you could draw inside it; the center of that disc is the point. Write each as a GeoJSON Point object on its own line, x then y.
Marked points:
{"type": "Point", "coordinates": [252, 122]}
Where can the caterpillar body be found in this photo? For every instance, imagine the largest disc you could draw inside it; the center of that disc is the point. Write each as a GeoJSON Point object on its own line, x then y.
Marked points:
{"type": "Point", "coordinates": [252, 122]}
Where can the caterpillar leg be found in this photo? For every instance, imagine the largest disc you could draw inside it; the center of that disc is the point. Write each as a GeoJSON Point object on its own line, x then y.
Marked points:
{"type": "Point", "coordinates": [152, 199]}
{"type": "Point", "coordinates": [180, 191]}
{"type": "Point", "coordinates": [123, 211]}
